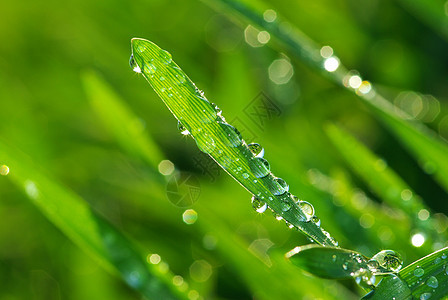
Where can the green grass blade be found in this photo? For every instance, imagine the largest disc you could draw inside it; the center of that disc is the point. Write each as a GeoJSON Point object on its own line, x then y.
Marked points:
{"type": "Point", "coordinates": [423, 143]}
{"type": "Point", "coordinates": [117, 118]}
{"type": "Point", "coordinates": [426, 278]}
{"type": "Point", "coordinates": [214, 136]}
{"type": "Point", "coordinates": [382, 179]}
{"type": "Point", "coordinates": [433, 13]}
{"type": "Point", "coordinates": [87, 229]}
{"type": "Point", "coordinates": [328, 262]}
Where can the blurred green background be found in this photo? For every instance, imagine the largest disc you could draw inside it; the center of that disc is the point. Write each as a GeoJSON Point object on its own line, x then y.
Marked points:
{"type": "Point", "coordinates": [46, 48]}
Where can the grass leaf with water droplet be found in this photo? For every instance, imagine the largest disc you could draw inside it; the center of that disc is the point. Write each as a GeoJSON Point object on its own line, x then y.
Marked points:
{"type": "Point", "coordinates": [328, 262]}
{"type": "Point", "coordinates": [88, 230]}
{"type": "Point", "coordinates": [423, 143]}
{"type": "Point", "coordinates": [426, 278]}
{"type": "Point", "coordinates": [214, 136]}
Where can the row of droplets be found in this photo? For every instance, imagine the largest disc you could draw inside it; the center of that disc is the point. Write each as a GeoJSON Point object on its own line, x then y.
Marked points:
{"type": "Point", "coordinates": [230, 136]}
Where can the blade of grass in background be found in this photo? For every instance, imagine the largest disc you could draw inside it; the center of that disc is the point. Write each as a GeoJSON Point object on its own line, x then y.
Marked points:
{"type": "Point", "coordinates": [204, 122]}
{"type": "Point", "coordinates": [433, 13]}
{"type": "Point", "coordinates": [384, 182]}
{"type": "Point", "coordinates": [425, 145]}
{"type": "Point", "coordinates": [426, 278]}
{"type": "Point", "coordinates": [119, 120]}
{"type": "Point", "coordinates": [86, 229]}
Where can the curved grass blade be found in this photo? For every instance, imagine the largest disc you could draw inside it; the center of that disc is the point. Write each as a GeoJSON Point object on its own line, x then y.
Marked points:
{"type": "Point", "coordinates": [430, 151]}
{"type": "Point", "coordinates": [383, 180]}
{"type": "Point", "coordinates": [86, 229]}
{"type": "Point", "coordinates": [204, 122]}
{"type": "Point", "coordinates": [328, 262]}
{"type": "Point", "coordinates": [119, 120]}
{"type": "Point", "coordinates": [426, 278]}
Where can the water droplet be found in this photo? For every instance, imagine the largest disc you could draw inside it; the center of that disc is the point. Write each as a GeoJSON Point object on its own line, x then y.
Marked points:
{"type": "Point", "coordinates": [277, 216]}
{"type": "Point", "coordinates": [134, 65]}
{"type": "Point", "coordinates": [444, 256]}
{"type": "Point", "coordinates": [256, 149]}
{"type": "Point", "coordinates": [285, 205]}
{"type": "Point", "coordinates": [259, 167]}
{"type": "Point", "coordinates": [232, 135]}
{"type": "Point", "coordinates": [259, 205]}
{"type": "Point", "coordinates": [307, 208]}
{"type": "Point", "coordinates": [345, 266]}
{"type": "Point", "coordinates": [315, 220]}
{"type": "Point", "coordinates": [389, 261]}
{"type": "Point", "coordinates": [295, 199]}
{"type": "Point", "coordinates": [149, 68]}
{"type": "Point", "coordinates": [425, 296]}
{"type": "Point", "coordinates": [165, 56]}
{"type": "Point", "coordinates": [178, 74]}
{"type": "Point", "coordinates": [183, 130]}
{"type": "Point", "coordinates": [279, 187]}
{"type": "Point", "coordinates": [437, 261]}
{"type": "Point", "coordinates": [333, 258]}
{"type": "Point", "coordinates": [432, 282]}
{"type": "Point", "coordinates": [141, 48]}
{"type": "Point", "coordinates": [245, 175]}
{"type": "Point", "coordinates": [205, 142]}
{"type": "Point", "coordinates": [419, 272]}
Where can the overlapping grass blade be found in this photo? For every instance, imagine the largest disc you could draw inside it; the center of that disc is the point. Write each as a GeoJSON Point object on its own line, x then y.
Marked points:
{"type": "Point", "coordinates": [429, 150]}
{"type": "Point", "coordinates": [116, 117]}
{"type": "Point", "coordinates": [425, 278]}
{"type": "Point", "coordinates": [383, 180]}
{"type": "Point", "coordinates": [87, 229]}
{"type": "Point", "coordinates": [328, 262]}
{"type": "Point", "coordinates": [214, 136]}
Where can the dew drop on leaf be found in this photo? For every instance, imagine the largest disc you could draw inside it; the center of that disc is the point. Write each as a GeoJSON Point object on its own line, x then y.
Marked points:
{"type": "Point", "coordinates": [425, 296]}
{"type": "Point", "coordinates": [232, 136]}
{"type": "Point", "coordinates": [307, 208]}
{"type": "Point", "coordinates": [256, 149]}
{"type": "Point", "coordinates": [419, 272]}
{"type": "Point", "coordinates": [183, 130]}
{"type": "Point", "coordinates": [388, 261]}
{"type": "Point", "coordinates": [279, 186]}
{"type": "Point", "coordinates": [165, 56]}
{"type": "Point", "coordinates": [432, 282]}
{"type": "Point", "coordinates": [205, 142]}
{"type": "Point", "coordinates": [259, 205]}
{"type": "Point", "coordinates": [259, 167]}
{"type": "Point", "coordinates": [285, 205]}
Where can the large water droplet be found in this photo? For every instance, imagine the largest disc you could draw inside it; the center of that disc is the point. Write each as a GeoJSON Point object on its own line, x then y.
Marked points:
{"type": "Point", "coordinates": [388, 261]}
{"type": "Point", "coordinates": [307, 208]}
{"type": "Point", "coordinates": [149, 68]}
{"type": "Point", "coordinates": [179, 75]}
{"type": "Point", "coordinates": [315, 220]}
{"type": "Point", "coordinates": [134, 65]}
{"type": "Point", "coordinates": [183, 130]}
{"type": "Point", "coordinates": [256, 149]}
{"type": "Point", "coordinates": [285, 205]}
{"type": "Point", "coordinates": [432, 282]}
{"type": "Point", "coordinates": [165, 56]}
{"type": "Point", "coordinates": [205, 142]}
{"type": "Point", "coordinates": [245, 175]}
{"type": "Point", "coordinates": [419, 272]}
{"type": "Point", "coordinates": [259, 167]}
{"type": "Point", "coordinates": [259, 205]}
{"type": "Point", "coordinates": [425, 296]}
{"type": "Point", "coordinates": [232, 136]}
{"type": "Point", "coordinates": [279, 186]}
